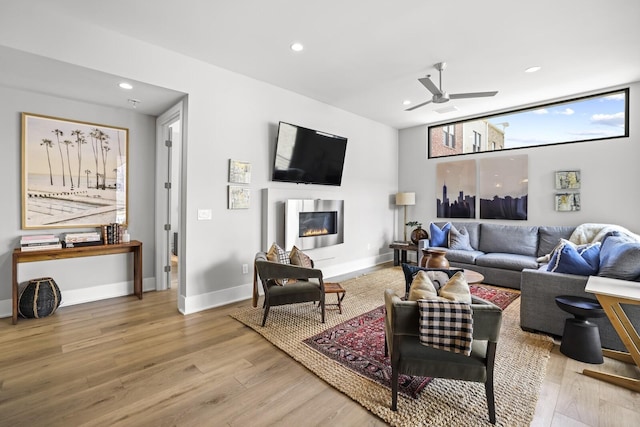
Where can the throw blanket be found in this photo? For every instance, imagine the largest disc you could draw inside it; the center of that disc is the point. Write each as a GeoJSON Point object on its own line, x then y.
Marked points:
{"type": "Point", "coordinates": [446, 325]}
{"type": "Point", "coordinates": [591, 233]}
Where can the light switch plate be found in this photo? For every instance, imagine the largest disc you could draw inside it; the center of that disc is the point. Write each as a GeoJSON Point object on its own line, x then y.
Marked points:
{"type": "Point", "coordinates": [204, 214]}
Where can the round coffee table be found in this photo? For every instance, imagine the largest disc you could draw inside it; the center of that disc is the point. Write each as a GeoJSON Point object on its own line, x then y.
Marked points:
{"type": "Point", "coordinates": [473, 277]}
{"type": "Point", "coordinates": [581, 338]}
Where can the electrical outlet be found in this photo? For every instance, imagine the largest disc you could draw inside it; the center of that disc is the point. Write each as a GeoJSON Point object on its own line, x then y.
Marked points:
{"type": "Point", "coordinates": [245, 268]}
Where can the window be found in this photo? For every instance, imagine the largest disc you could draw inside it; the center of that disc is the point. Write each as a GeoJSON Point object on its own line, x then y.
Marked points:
{"type": "Point", "coordinates": [477, 141]}
{"type": "Point", "coordinates": [589, 118]}
{"type": "Point", "coordinates": [449, 136]}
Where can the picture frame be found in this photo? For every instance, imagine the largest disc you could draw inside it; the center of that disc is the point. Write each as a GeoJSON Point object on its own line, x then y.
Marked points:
{"type": "Point", "coordinates": [239, 172]}
{"type": "Point", "coordinates": [567, 202]}
{"type": "Point", "coordinates": [567, 180]}
{"type": "Point", "coordinates": [74, 173]}
{"type": "Point", "coordinates": [239, 197]}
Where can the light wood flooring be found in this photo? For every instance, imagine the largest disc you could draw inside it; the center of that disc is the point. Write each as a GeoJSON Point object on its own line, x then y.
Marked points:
{"type": "Point", "coordinates": [125, 362]}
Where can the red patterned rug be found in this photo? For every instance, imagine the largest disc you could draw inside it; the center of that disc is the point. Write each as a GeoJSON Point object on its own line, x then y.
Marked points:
{"type": "Point", "coordinates": [358, 343]}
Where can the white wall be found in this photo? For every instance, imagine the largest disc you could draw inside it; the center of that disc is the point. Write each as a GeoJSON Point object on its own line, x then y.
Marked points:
{"type": "Point", "coordinates": [229, 117]}
{"type": "Point", "coordinates": [609, 173]}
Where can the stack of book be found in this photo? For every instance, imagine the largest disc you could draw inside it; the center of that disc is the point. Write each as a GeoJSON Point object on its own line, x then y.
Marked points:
{"type": "Point", "coordinates": [88, 238]}
{"type": "Point", "coordinates": [112, 233]}
{"type": "Point", "coordinates": [40, 242]}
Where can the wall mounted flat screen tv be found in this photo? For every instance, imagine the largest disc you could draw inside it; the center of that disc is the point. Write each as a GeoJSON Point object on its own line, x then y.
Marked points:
{"type": "Point", "coordinates": [308, 156]}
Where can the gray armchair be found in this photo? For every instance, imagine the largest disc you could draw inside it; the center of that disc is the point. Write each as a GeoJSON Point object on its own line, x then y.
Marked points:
{"type": "Point", "coordinates": [410, 357]}
{"type": "Point", "coordinates": [307, 286]}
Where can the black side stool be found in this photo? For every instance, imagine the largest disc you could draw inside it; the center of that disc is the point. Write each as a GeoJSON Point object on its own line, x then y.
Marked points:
{"type": "Point", "coordinates": [581, 338]}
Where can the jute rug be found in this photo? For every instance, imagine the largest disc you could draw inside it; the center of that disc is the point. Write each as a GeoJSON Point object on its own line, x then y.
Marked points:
{"type": "Point", "coordinates": [520, 362]}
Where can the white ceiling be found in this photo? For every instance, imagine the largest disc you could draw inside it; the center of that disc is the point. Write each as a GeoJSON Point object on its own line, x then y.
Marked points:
{"type": "Point", "coordinates": [365, 56]}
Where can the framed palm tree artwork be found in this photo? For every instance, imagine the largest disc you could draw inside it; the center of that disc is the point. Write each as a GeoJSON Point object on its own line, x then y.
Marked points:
{"type": "Point", "coordinates": [74, 174]}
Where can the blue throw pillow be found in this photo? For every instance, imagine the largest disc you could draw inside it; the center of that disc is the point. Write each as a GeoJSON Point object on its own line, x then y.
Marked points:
{"type": "Point", "coordinates": [439, 236]}
{"type": "Point", "coordinates": [620, 258]}
{"type": "Point", "coordinates": [570, 259]}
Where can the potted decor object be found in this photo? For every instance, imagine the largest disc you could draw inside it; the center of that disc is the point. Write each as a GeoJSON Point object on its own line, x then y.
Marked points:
{"type": "Point", "coordinates": [418, 233]}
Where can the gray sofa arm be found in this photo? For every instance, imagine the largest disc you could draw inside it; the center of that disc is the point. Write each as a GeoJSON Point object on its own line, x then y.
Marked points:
{"type": "Point", "coordinates": [538, 309]}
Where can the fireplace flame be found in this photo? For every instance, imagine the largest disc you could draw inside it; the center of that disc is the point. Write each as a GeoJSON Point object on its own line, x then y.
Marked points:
{"type": "Point", "coordinates": [315, 232]}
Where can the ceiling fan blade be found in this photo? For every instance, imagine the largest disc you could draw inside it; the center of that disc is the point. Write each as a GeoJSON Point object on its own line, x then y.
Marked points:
{"type": "Point", "coordinates": [417, 106]}
{"type": "Point", "coordinates": [431, 87]}
{"type": "Point", "coordinates": [471, 95]}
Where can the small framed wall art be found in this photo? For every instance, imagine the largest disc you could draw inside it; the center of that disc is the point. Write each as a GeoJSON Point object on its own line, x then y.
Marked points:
{"type": "Point", "coordinates": [239, 197]}
{"type": "Point", "coordinates": [239, 172]}
{"type": "Point", "coordinates": [567, 202]}
{"type": "Point", "coordinates": [568, 180]}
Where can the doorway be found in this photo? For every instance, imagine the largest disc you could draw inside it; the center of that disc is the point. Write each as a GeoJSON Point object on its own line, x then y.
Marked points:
{"type": "Point", "coordinates": [169, 142]}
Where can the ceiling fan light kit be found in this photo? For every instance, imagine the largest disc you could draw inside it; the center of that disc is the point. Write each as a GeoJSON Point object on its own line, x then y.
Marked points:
{"type": "Point", "coordinates": [440, 96]}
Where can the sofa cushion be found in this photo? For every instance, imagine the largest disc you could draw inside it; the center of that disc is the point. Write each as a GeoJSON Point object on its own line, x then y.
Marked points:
{"type": "Point", "coordinates": [549, 237]}
{"type": "Point", "coordinates": [504, 261]}
{"type": "Point", "coordinates": [620, 258]}
{"type": "Point", "coordinates": [582, 260]}
{"type": "Point", "coordinates": [509, 239]}
{"type": "Point", "coordinates": [459, 239]}
{"type": "Point", "coordinates": [439, 235]}
{"type": "Point", "coordinates": [466, 257]}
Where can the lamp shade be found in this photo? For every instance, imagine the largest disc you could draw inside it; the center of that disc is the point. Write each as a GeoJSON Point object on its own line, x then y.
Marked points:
{"type": "Point", "coordinates": [405, 199]}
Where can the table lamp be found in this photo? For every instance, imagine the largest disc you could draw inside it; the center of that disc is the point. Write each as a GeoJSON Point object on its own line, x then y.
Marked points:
{"type": "Point", "coordinates": [405, 199]}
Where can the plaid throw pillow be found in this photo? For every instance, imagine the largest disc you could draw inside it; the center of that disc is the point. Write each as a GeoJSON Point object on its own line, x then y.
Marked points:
{"type": "Point", "coordinates": [446, 325]}
{"type": "Point", "coordinates": [277, 254]}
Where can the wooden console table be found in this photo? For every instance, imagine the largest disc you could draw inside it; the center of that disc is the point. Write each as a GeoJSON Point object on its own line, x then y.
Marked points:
{"type": "Point", "coordinates": [611, 294]}
{"type": "Point", "coordinates": [134, 247]}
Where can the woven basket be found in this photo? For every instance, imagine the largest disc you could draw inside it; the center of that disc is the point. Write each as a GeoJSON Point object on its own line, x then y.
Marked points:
{"type": "Point", "coordinates": [40, 298]}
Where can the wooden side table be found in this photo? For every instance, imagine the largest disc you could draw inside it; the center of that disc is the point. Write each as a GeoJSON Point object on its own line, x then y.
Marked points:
{"type": "Point", "coordinates": [611, 294]}
{"type": "Point", "coordinates": [400, 252]}
{"type": "Point", "coordinates": [335, 288]}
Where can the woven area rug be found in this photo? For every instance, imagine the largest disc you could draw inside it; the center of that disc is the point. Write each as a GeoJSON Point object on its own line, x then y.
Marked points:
{"type": "Point", "coordinates": [520, 362]}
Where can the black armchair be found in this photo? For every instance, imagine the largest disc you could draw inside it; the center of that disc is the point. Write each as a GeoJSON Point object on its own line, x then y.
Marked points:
{"type": "Point", "coordinates": [307, 286]}
{"type": "Point", "coordinates": [411, 357]}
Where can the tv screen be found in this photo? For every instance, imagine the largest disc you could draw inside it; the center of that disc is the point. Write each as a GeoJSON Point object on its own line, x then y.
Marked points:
{"type": "Point", "coordinates": [308, 156]}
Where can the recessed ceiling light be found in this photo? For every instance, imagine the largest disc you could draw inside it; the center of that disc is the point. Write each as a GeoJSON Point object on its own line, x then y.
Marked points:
{"type": "Point", "coordinates": [124, 85]}
{"type": "Point", "coordinates": [406, 102]}
{"type": "Point", "coordinates": [532, 69]}
{"type": "Point", "coordinates": [297, 47]}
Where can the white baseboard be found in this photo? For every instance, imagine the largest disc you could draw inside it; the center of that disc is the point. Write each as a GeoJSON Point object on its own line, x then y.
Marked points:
{"type": "Point", "coordinates": [95, 293]}
{"type": "Point", "coordinates": [193, 304]}
{"type": "Point", "coordinates": [209, 300]}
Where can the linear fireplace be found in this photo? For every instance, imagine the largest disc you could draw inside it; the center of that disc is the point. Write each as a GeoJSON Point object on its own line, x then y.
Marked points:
{"type": "Point", "coordinates": [313, 224]}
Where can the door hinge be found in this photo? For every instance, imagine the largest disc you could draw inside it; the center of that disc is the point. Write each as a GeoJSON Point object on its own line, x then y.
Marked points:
{"type": "Point", "coordinates": [167, 268]}
{"type": "Point", "coordinates": [167, 227]}
{"type": "Point", "coordinates": [167, 185]}
{"type": "Point", "coordinates": [168, 143]}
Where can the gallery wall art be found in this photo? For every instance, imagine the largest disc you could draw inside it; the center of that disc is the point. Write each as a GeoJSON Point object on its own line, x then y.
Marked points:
{"type": "Point", "coordinates": [74, 174]}
{"type": "Point", "coordinates": [504, 187]}
{"type": "Point", "coordinates": [456, 189]}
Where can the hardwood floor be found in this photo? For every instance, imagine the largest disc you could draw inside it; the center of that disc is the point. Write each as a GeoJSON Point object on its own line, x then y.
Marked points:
{"type": "Point", "coordinates": [125, 362]}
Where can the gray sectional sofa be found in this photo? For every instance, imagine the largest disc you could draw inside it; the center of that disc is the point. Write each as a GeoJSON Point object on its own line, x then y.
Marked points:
{"type": "Point", "coordinates": [507, 255]}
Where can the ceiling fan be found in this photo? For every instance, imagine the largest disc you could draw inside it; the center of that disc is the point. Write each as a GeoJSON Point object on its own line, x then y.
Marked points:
{"type": "Point", "coordinates": [440, 96]}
